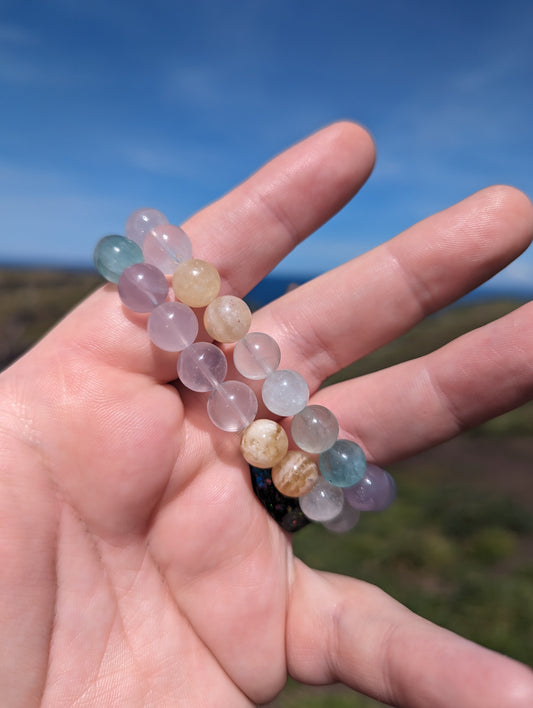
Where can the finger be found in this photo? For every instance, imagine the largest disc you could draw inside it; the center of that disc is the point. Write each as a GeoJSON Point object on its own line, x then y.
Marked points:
{"type": "Point", "coordinates": [251, 229]}
{"type": "Point", "coordinates": [347, 313]}
{"type": "Point", "coordinates": [340, 629]}
{"type": "Point", "coordinates": [409, 407]}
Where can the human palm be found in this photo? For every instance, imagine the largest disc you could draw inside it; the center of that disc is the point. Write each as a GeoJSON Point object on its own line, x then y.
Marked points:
{"type": "Point", "coordinates": [139, 568]}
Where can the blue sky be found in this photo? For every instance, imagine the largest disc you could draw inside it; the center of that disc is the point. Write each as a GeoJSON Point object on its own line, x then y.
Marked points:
{"type": "Point", "coordinates": [106, 106]}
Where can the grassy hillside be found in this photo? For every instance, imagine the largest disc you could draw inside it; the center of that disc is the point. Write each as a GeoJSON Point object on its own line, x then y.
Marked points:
{"type": "Point", "coordinates": [457, 546]}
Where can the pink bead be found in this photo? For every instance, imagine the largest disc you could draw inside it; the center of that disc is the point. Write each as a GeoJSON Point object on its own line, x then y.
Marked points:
{"type": "Point", "coordinates": [142, 287]}
{"type": "Point", "coordinates": [172, 326]}
{"type": "Point", "coordinates": [166, 246]}
{"type": "Point", "coordinates": [232, 406]}
{"type": "Point", "coordinates": [256, 355]}
{"type": "Point", "coordinates": [202, 366]}
{"type": "Point", "coordinates": [141, 222]}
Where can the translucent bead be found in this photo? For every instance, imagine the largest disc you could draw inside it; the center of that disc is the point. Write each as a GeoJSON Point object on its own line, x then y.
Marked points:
{"type": "Point", "coordinates": [113, 254]}
{"type": "Point", "coordinates": [256, 355]}
{"type": "Point", "coordinates": [172, 326]}
{"type": "Point", "coordinates": [374, 492]}
{"type": "Point", "coordinates": [345, 521]}
{"type": "Point", "coordinates": [343, 464]}
{"type": "Point", "coordinates": [264, 443]}
{"type": "Point", "coordinates": [141, 222]}
{"type": "Point", "coordinates": [196, 282]}
{"type": "Point", "coordinates": [232, 406]}
{"type": "Point", "coordinates": [166, 246]}
{"type": "Point", "coordinates": [295, 475]}
{"type": "Point", "coordinates": [285, 392]}
{"type": "Point", "coordinates": [142, 287]}
{"type": "Point", "coordinates": [227, 318]}
{"type": "Point", "coordinates": [314, 429]}
{"type": "Point", "coordinates": [202, 367]}
{"type": "Point", "coordinates": [323, 503]}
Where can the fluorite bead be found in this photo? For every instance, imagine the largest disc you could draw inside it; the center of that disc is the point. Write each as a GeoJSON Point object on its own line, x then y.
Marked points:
{"type": "Point", "coordinates": [343, 464]}
{"type": "Point", "coordinates": [374, 492]}
{"type": "Point", "coordinates": [142, 287]}
{"type": "Point", "coordinates": [264, 443]}
{"type": "Point", "coordinates": [141, 221]}
{"type": "Point", "coordinates": [323, 503]}
{"type": "Point", "coordinates": [196, 282]}
{"type": "Point", "coordinates": [295, 474]}
{"type": "Point", "coordinates": [285, 392]}
{"type": "Point", "coordinates": [172, 326]}
{"type": "Point", "coordinates": [113, 254]}
{"type": "Point", "coordinates": [256, 355]}
{"type": "Point", "coordinates": [232, 406]}
{"type": "Point", "coordinates": [314, 429]}
{"type": "Point", "coordinates": [202, 366]}
{"type": "Point", "coordinates": [166, 246]}
{"type": "Point", "coordinates": [345, 521]}
{"type": "Point", "coordinates": [227, 318]}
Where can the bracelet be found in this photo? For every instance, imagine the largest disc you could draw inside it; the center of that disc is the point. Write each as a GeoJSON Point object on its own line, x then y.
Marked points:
{"type": "Point", "coordinates": [327, 479]}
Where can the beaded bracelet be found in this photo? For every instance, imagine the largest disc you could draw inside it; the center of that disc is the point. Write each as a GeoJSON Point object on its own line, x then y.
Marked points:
{"type": "Point", "coordinates": [328, 479]}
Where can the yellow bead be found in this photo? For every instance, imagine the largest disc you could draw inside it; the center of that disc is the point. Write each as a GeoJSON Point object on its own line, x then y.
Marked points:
{"type": "Point", "coordinates": [264, 443]}
{"type": "Point", "coordinates": [196, 282]}
{"type": "Point", "coordinates": [295, 475]}
{"type": "Point", "coordinates": [227, 318]}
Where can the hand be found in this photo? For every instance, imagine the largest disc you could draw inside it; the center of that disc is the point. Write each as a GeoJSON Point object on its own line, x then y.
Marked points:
{"type": "Point", "coordinates": [139, 569]}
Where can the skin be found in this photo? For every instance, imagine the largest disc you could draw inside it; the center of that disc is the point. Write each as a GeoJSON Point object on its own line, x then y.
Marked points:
{"type": "Point", "coordinates": [138, 569]}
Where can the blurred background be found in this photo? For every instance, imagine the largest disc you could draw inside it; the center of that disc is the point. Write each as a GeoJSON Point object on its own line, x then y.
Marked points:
{"type": "Point", "coordinates": [109, 105]}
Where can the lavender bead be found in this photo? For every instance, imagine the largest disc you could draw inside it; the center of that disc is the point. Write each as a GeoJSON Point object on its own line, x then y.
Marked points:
{"type": "Point", "coordinates": [285, 392]}
{"type": "Point", "coordinates": [374, 492]}
{"type": "Point", "coordinates": [172, 326]}
{"type": "Point", "coordinates": [202, 366]}
{"type": "Point", "coordinates": [141, 222]}
{"type": "Point", "coordinates": [166, 246]}
{"type": "Point", "coordinates": [142, 287]}
{"type": "Point", "coordinates": [256, 355]}
{"type": "Point", "coordinates": [232, 406]}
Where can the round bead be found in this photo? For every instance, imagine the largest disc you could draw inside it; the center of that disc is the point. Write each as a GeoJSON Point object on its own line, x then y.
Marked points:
{"type": "Point", "coordinates": [374, 492]}
{"type": "Point", "coordinates": [196, 282]}
{"type": "Point", "coordinates": [227, 318]}
{"type": "Point", "coordinates": [141, 222]}
{"type": "Point", "coordinates": [202, 366]}
{"type": "Point", "coordinates": [142, 287]}
{"type": "Point", "coordinates": [232, 406]}
{"type": "Point", "coordinates": [314, 429]}
{"type": "Point", "coordinates": [343, 464]}
{"type": "Point", "coordinates": [172, 326]}
{"type": "Point", "coordinates": [256, 355]}
{"type": "Point", "coordinates": [323, 503]}
{"type": "Point", "coordinates": [264, 443]}
{"type": "Point", "coordinates": [295, 475]}
{"type": "Point", "coordinates": [345, 521]}
{"type": "Point", "coordinates": [285, 392]}
{"type": "Point", "coordinates": [166, 246]}
{"type": "Point", "coordinates": [113, 254]}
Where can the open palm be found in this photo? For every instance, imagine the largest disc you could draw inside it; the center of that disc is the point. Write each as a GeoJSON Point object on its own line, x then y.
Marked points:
{"type": "Point", "coordinates": [139, 569]}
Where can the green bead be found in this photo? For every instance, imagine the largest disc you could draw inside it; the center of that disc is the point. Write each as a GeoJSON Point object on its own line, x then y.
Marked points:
{"type": "Point", "coordinates": [344, 464]}
{"type": "Point", "coordinates": [113, 254]}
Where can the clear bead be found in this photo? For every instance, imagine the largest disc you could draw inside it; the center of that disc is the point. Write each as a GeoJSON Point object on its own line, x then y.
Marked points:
{"type": "Point", "coordinates": [323, 503]}
{"type": "Point", "coordinates": [295, 474]}
{"type": "Point", "coordinates": [264, 443]}
{"type": "Point", "coordinates": [343, 464]}
{"type": "Point", "coordinates": [314, 429]}
{"type": "Point", "coordinates": [345, 521]}
{"type": "Point", "coordinates": [285, 392]}
{"type": "Point", "coordinates": [202, 366]}
{"type": "Point", "coordinates": [232, 406]}
{"type": "Point", "coordinates": [196, 282]}
{"type": "Point", "coordinates": [141, 222]}
{"type": "Point", "coordinates": [166, 246]}
{"type": "Point", "coordinates": [227, 318]}
{"type": "Point", "coordinates": [113, 254]}
{"type": "Point", "coordinates": [142, 287]}
{"type": "Point", "coordinates": [374, 492]}
{"type": "Point", "coordinates": [172, 326]}
{"type": "Point", "coordinates": [256, 355]}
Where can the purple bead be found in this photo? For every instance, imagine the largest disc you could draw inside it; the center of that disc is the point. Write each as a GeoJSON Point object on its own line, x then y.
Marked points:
{"type": "Point", "coordinates": [142, 287]}
{"type": "Point", "coordinates": [232, 406]}
{"type": "Point", "coordinates": [202, 366]}
{"type": "Point", "coordinates": [166, 246]}
{"type": "Point", "coordinates": [374, 492]}
{"type": "Point", "coordinates": [172, 326]}
{"type": "Point", "coordinates": [141, 222]}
